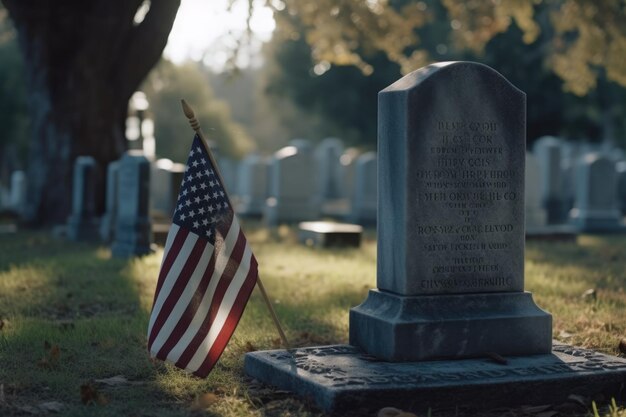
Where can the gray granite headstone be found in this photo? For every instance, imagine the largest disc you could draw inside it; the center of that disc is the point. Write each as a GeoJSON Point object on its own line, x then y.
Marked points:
{"type": "Point", "coordinates": [107, 224]}
{"type": "Point", "coordinates": [133, 227]}
{"type": "Point", "coordinates": [451, 150]}
{"type": "Point", "coordinates": [252, 185]}
{"type": "Point", "coordinates": [328, 155]}
{"type": "Point", "coordinates": [364, 201]}
{"type": "Point", "coordinates": [292, 187]}
{"type": "Point", "coordinates": [621, 186]}
{"type": "Point", "coordinates": [536, 217]}
{"type": "Point", "coordinates": [548, 151]}
{"type": "Point", "coordinates": [82, 223]}
{"type": "Point", "coordinates": [595, 208]}
{"type": "Point", "coordinates": [17, 192]}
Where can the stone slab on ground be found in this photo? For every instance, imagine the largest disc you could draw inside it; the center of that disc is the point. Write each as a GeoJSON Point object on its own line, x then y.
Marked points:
{"type": "Point", "coordinates": [341, 377]}
{"type": "Point", "coordinates": [552, 233]}
{"type": "Point", "coordinates": [329, 234]}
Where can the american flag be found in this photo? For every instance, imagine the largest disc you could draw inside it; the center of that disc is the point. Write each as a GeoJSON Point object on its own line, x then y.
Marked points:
{"type": "Point", "coordinates": [207, 273]}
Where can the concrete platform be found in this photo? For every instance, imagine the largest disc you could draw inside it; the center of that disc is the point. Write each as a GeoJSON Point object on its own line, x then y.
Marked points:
{"type": "Point", "coordinates": [340, 377]}
{"type": "Point", "coordinates": [329, 234]}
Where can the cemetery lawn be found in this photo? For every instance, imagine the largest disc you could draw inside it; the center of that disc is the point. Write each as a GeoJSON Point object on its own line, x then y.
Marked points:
{"type": "Point", "coordinates": [71, 318]}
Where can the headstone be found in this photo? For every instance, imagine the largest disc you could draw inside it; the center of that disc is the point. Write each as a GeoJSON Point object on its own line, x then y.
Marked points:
{"type": "Point", "coordinates": [107, 224]}
{"type": "Point", "coordinates": [292, 187]}
{"type": "Point", "coordinates": [451, 140]}
{"type": "Point", "coordinates": [536, 217]}
{"type": "Point", "coordinates": [329, 234]}
{"type": "Point", "coordinates": [596, 209]}
{"type": "Point", "coordinates": [364, 200]}
{"type": "Point", "coordinates": [348, 171]}
{"type": "Point", "coordinates": [82, 223]}
{"type": "Point", "coordinates": [17, 192]}
{"type": "Point", "coordinates": [252, 185]}
{"type": "Point", "coordinates": [329, 170]}
{"type": "Point", "coordinates": [621, 186]}
{"type": "Point", "coordinates": [133, 226]}
{"type": "Point", "coordinates": [548, 151]}
{"type": "Point", "coordinates": [303, 145]}
{"type": "Point", "coordinates": [228, 169]}
{"type": "Point", "coordinates": [165, 180]}
{"type": "Point", "coordinates": [450, 309]}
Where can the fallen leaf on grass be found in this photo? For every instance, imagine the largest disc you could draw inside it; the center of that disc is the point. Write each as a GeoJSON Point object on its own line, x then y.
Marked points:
{"type": "Point", "coordinates": [55, 353]}
{"type": "Point", "coordinates": [90, 395]}
{"type": "Point", "coordinates": [204, 401]}
{"type": "Point", "coordinates": [250, 347]}
{"type": "Point", "coordinates": [590, 294]}
{"type": "Point", "coordinates": [2, 324]}
{"type": "Point", "coordinates": [622, 345]}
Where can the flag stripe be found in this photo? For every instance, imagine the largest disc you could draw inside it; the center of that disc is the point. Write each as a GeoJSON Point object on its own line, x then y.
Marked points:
{"type": "Point", "coordinates": [179, 286]}
{"type": "Point", "coordinates": [188, 315]}
{"type": "Point", "coordinates": [173, 273]}
{"type": "Point", "coordinates": [182, 294]}
{"type": "Point", "coordinates": [216, 299]}
{"type": "Point", "coordinates": [231, 322]}
{"type": "Point", "coordinates": [175, 237]}
{"type": "Point", "coordinates": [220, 263]}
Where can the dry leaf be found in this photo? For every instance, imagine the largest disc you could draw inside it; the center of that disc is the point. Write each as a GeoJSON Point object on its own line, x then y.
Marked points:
{"type": "Point", "coordinates": [90, 395]}
{"type": "Point", "coordinates": [622, 345]}
{"type": "Point", "coordinates": [2, 323]}
{"type": "Point", "coordinates": [204, 401]}
{"type": "Point", "coordinates": [55, 353]}
{"type": "Point", "coordinates": [51, 406]}
{"type": "Point", "coordinates": [250, 347]}
{"type": "Point", "coordinates": [114, 380]}
{"type": "Point", "coordinates": [590, 294]}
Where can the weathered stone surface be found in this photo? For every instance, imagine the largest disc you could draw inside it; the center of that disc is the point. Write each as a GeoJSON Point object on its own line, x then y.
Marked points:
{"type": "Point", "coordinates": [107, 224]}
{"type": "Point", "coordinates": [133, 227]}
{"type": "Point", "coordinates": [451, 221]}
{"type": "Point", "coordinates": [596, 207]}
{"type": "Point", "coordinates": [364, 200]}
{"type": "Point", "coordinates": [341, 377]}
{"type": "Point", "coordinates": [451, 149]}
{"type": "Point", "coordinates": [82, 223]}
{"type": "Point", "coordinates": [405, 328]}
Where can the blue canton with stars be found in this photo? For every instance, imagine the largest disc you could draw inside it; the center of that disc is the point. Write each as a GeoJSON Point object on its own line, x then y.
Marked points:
{"type": "Point", "coordinates": [202, 202]}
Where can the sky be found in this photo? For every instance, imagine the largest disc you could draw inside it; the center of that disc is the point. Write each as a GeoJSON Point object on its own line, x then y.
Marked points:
{"type": "Point", "coordinates": [205, 30]}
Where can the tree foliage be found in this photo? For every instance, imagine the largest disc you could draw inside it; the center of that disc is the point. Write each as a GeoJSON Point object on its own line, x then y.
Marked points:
{"type": "Point", "coordinates": [164, 87]}
{"type": "Point", "coordinates": [586, 40]}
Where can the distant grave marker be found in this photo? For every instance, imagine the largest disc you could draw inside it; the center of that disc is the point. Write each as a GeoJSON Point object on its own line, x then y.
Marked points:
{"type": "Point", "coordinates": [82, 223]}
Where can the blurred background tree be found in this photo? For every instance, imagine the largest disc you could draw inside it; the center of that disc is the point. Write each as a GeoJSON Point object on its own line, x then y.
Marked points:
{"type": "Point", "coordinates": [164, 88]}
{"type": "Point", "coordinates": [82, 62]}
{"type": "Point", "coordinates": [14, 119]}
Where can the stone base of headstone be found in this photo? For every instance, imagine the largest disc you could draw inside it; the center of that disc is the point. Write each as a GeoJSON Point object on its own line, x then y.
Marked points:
{"type": "Point", "coordinates": [328, 234]}
{"type": "Point", "coordinates": [293, 211]}
{"type": "Point", "coordinates": [132, 240]}
{"type": "Point", "coordinates": [81, 228]}
{"type": "Point", "coordinates": [552, 233]}
{"type": "Point", "coordinates": [608, 221]}
{"type": "Point", "coordinates": [394, 327]}
{"type": "Point", "coordinates": [340, 377]}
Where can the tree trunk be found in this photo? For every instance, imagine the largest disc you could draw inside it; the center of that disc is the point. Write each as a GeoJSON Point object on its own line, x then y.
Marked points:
{"type": "Point", "coordinates": [83, 59]}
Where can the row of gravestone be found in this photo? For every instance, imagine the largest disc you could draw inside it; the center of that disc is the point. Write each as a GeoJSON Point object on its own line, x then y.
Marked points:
{"type": "Point", "coordinates": [576, 184]}
{"type": "Point", "coordinates": [299, 182]}
{"type": "Point", "coordinates": [565, 184]}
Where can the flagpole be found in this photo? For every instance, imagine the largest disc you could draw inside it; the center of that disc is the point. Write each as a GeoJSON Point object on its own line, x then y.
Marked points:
{"type": "Point", "coordinates": [195, 125]}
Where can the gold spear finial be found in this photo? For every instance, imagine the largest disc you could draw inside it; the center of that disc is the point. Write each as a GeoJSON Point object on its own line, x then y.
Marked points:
{"type": "Point", "coordinates": [189, 113]}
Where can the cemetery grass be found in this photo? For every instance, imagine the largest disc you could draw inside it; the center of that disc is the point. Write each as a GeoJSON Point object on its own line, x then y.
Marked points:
{"type": "Point", "coordinates": [71, 318]}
